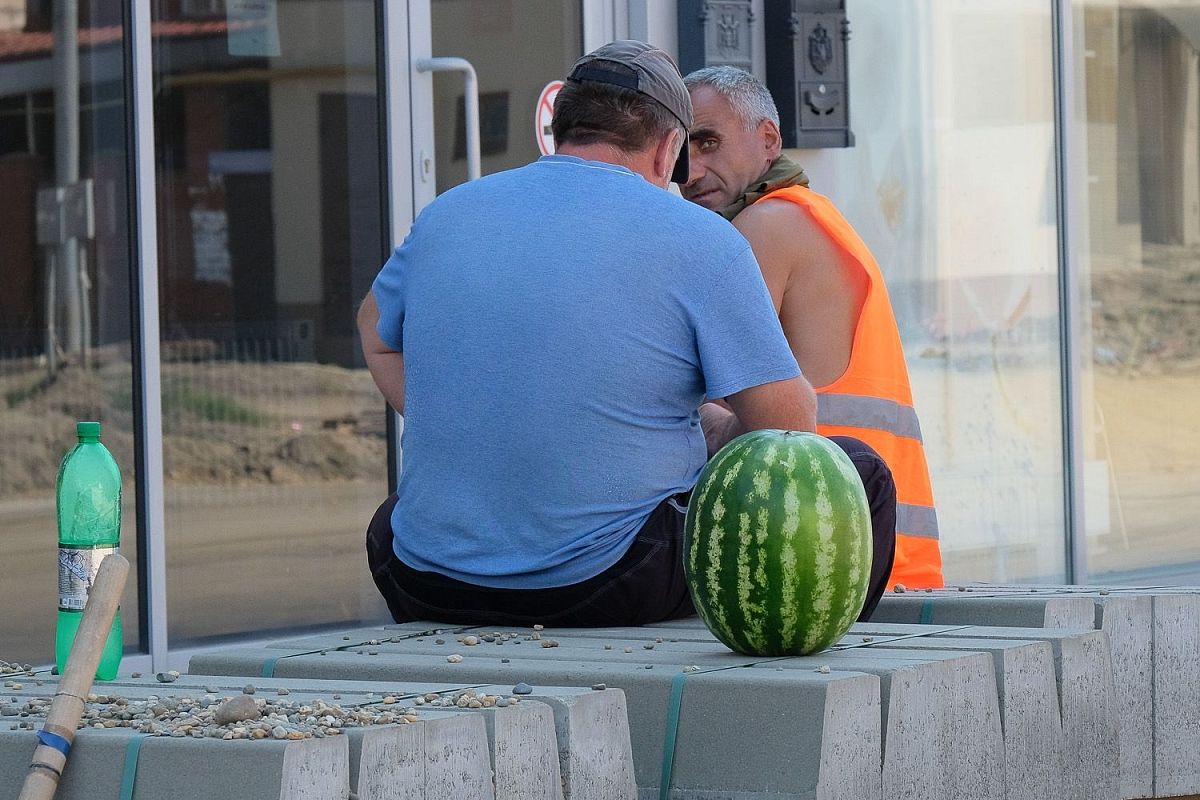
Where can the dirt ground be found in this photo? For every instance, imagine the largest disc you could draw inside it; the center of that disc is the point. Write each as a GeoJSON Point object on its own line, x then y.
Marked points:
{"type": "Point", "coordinates": [224, 423]}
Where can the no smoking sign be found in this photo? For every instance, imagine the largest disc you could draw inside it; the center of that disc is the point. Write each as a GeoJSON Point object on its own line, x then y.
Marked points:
{"type": "Point", "coordinates": [543, 116]}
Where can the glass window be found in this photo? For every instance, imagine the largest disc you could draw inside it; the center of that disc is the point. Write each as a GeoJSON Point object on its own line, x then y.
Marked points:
{"type": "Point", "coordinates": [516, 47]}
{"type": "Point", "coordinates": [952, 184]}
{"type": "Point", "coordinates": [270, 227]}
{"type": "Point", "coordinates": [1138, 80]}
{"type": "Point", "coordinates": [65, 321]}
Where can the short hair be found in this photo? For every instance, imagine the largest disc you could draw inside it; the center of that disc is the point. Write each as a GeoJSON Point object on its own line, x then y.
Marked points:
{"type": "Point", "coordinates": [587, 112]}
{"type": "Point", "coordinates": [746, 94]}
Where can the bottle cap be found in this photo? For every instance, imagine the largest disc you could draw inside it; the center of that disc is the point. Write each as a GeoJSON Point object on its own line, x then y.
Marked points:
{"type": "Point", "coordinates": [89, 429]}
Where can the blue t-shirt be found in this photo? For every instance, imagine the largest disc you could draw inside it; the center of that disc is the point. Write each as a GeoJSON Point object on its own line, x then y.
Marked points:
{"type": "Point", "coordinates": [560, 324]}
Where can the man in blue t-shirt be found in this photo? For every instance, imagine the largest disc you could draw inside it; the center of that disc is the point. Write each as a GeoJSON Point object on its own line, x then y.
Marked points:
{"type": "Point", "coordinates": [549, 333]}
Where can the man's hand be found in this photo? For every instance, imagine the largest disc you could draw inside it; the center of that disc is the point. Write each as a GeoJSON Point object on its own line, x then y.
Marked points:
{"type": "Point", "coordinates": [386, 365]}
{"type": "Point", "coordinates": [788, 405]}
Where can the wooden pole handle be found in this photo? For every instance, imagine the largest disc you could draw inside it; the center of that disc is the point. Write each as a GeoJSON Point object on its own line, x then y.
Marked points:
{"type": "Point", "coordinates": [58, 733]}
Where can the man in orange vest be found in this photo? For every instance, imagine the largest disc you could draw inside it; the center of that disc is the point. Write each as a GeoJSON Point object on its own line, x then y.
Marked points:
{"type": "Point", "coordinates": [829, 293]}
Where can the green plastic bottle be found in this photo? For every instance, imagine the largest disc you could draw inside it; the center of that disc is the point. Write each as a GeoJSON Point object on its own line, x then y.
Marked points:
{"type": "Point", "coordinates": [89, 528]}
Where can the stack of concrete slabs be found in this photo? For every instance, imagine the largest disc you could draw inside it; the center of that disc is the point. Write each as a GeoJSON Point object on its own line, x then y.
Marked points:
{"type": "Point", "coordinates": [883, 717]}
{"type": "Point", "coordinates": [1154, 633]}
{"type": "Point", "coordinates": [552, 743]}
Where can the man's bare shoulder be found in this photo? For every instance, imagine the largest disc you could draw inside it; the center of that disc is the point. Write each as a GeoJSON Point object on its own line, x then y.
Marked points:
{"type": "Point", "coordinates": [786, 232]}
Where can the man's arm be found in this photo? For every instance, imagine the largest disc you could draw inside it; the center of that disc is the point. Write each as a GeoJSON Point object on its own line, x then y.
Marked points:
{"type": "Point", "coordinates": [386, 365]}
{"type": "Point", "coordinates": [787, 405]}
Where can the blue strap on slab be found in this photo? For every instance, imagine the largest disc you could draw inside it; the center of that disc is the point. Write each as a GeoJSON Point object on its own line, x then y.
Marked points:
{"type": "Point", "coordinates": [129, 775]}
{"type": "Point", "coordinates": [926, 612]}
{"type": "Point", "coordinates": [54, 740]}
{"type": "Point", "coordinates": [668, 763]}
{"type": "Point", "coordinates": [674, 704]}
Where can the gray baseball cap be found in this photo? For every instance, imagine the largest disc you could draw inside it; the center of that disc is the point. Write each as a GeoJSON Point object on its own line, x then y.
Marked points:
{"type": "Point", "coordinates": [645, 69]}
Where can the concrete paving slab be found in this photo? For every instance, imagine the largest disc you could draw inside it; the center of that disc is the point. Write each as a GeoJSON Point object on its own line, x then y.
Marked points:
{"type": "Point", "coordinates": [1087, 701]}
{"type": "Point", "coordinates": [752, 765]}
{"type": "Point", "coordinates": [1029, 709]}
{"type": "Point", "coordinates": [1009, 610]}
{"type": "Point", "coordinates": [445, 756]}
{"type": "Point", "coordinates": [594, 749]}
{"type": "Point", "coordinates": [822, 744]}
{"type": "Point", "coordinates": [1176, 694]}
{"type": "Point", "coordinates": [951, 697]}
{"type": "Point", "coordinates": [187, 769]}
{"type": "Point", "coordinates": [1126, 616]}
{"type": "Point", "coordinates": [516, 747]}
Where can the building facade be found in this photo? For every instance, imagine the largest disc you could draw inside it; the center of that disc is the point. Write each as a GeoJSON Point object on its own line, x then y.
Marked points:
{"type": "Point", "coordinates": [196, 194]}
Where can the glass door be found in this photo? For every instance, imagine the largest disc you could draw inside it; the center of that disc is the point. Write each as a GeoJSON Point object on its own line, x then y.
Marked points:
{"type": "Point", "coordinates": [512, 52]}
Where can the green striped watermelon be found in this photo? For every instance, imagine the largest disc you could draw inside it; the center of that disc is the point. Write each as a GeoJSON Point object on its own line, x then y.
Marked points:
{"type": "Point", "coordinates": [777, 543]}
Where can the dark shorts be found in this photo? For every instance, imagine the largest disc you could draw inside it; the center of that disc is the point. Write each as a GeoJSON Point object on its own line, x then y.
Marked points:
{"type": "Point", "coordinates": [646, 585]}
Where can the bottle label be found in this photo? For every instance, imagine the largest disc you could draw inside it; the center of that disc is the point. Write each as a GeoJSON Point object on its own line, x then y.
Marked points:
{"type": "Point", "coordinates": [77, 570]}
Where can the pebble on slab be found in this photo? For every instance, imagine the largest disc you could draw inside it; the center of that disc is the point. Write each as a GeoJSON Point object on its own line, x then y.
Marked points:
{"type": "Point", "coordinates": [549, 643]}
{"type": "Point", "coordinates": [899, 588]}
{"type": "Point", "coordinates": [236, 709]}
{"type": "Point", "coordinates": [454, 658]}
{"type": "Point", "coordinates": [470, 641]}
{"type": "Point", "coordinates": [599, 687]}
{"type": "Point", "coordinates": [249, 689]}
{"type": "Point", "coordinates": [167, 677]}
{"type": "Point", "coordinates": [522, 688]}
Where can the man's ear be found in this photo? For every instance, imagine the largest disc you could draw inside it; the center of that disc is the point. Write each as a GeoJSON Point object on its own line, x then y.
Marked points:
{"type": "Point", "coordinates": [772, 139]}
{"type": "Point", "coordinates": [666, 153]}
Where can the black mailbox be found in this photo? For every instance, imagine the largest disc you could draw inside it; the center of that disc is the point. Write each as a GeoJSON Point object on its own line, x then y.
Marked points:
{"type": "Point", "coordinates": [715, 32]}
{"type": "Point", "coordinates": [807, 71]}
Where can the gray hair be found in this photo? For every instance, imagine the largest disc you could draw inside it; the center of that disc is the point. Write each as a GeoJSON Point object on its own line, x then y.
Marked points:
{"type": "Point", "coordinates": [746, 94]}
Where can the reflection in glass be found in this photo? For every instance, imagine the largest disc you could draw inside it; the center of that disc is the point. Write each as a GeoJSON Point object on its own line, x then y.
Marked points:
{"type": "Point", "coordinates": [516, 47]}
{"type": "Point", "coordinates": [952, 184]}
{"type": "Point", "coordinates": [1139, 79]}
{"type": "Point", "coordinates": [269, 217]}
{"type": "Point", "coordinates": [65, 305]}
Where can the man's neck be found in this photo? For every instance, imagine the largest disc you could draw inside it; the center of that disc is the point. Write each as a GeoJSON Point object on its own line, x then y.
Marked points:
{"type": "Point", "coordinates": [641, 163]}
{"type": "Point", "coordinates": [782, 172]}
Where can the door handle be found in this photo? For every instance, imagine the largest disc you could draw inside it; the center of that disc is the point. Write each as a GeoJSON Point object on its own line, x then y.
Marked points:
{"type": "Point", "coordinates": [470, 102]}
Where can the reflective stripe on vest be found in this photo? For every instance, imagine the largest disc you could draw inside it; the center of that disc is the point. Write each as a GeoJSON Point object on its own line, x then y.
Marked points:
{"type": "Point", "coordinates": [920, 521]}
{"type": "Point", "coordinates": [862, 411]}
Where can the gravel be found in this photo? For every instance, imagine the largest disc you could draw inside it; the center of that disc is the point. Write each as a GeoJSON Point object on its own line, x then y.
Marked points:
{"type": "Point", "coordinates": [236, 717]}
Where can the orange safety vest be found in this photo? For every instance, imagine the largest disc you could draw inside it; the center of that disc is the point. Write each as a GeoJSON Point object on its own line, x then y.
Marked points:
{"type": "Point", "coordinates": [872, 401]}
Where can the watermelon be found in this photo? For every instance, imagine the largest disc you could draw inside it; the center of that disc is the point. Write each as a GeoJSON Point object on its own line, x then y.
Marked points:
{"type": "Point", "coordinates": [777, 543]}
